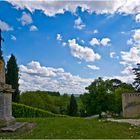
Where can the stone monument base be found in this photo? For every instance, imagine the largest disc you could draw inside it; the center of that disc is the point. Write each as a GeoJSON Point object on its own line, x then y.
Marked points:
{"type": "Point", "coordinates": [6, 121]}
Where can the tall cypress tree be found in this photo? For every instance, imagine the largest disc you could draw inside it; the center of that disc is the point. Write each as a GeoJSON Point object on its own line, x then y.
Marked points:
{"type": "Point", "coordinates": [12, 77]}
{"type": "Point", "coordinates": [72, 108]}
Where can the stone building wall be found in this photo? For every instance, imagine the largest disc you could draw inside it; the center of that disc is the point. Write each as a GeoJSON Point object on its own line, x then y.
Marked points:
{"type": "Point", "coordinates": [131, 105]}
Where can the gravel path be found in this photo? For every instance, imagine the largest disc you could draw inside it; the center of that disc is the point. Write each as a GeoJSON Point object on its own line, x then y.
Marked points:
{"type": "Point", "coordinates": [91, 117]}
{"type": "Point", "coordinates": [130, 121]}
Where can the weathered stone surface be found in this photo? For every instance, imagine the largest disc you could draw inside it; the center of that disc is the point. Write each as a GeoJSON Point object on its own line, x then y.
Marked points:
{"type": "Point", "coordinates": [131, 105]}
{"type": "Point", "coordinates": [6, 117]}
{"type": "Point", "coordinates": [6, 88]}
{"type": "Point", "coordinates": [6, 121]}
{"type": "Point", "coordinates": [2, 71]}
{"type": "Point", "coordinates": [14, 127]}
{"type": "Point", "coordinates": [6, 109]}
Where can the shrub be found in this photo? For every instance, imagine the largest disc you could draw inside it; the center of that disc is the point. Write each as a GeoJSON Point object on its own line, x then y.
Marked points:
{"type": "Point", "coordinates": [43, 100]}
{"type": "Point", "coordinates": [22, 111]}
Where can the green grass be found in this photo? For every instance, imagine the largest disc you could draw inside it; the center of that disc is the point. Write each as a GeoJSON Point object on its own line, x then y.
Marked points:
{"type": "Point", "coordinates": [76, 128]}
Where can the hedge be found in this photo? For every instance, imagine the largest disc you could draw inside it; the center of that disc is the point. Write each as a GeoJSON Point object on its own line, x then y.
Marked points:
{"type": "Point", "coordinates": [22, 111]}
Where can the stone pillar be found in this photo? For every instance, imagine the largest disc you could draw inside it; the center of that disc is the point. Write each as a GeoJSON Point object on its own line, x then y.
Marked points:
{"type": "Point", "coordinates": [5, 99]}
{"type": "Point", "coordinates": [6, 117]}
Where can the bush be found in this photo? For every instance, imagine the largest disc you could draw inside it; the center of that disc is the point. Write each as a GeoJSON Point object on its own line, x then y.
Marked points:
{"type": "Point", "coordinates": [43, 100]}
{"type": "Point", "coordinates": [22, 111]}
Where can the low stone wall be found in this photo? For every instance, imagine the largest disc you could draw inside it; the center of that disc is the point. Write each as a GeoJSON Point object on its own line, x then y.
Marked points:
{"type": "Point", "coordinates": [131, 105]}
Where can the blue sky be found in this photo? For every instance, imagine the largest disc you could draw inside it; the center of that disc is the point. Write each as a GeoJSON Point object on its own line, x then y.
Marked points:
{"type": "Point", "coordinates": [64, 45]}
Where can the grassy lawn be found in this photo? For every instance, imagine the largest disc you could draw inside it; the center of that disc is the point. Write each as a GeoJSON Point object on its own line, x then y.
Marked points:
{"type": "Point", "coordinates": [76, 128]}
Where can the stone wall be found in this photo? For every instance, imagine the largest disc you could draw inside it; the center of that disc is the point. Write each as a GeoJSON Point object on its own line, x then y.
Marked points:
{"type": "Point", "coordinates": [131, 105]}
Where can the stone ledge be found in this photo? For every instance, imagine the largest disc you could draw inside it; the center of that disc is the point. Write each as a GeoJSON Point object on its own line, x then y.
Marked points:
{"type": "Point", "coordinates": [6, 121]}
{"type": "Point", "coordinates": [6, 88]}
{"type": "Point", "coordinates": [14, 127]}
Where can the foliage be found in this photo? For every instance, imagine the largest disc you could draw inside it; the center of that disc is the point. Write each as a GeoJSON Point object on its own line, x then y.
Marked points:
{"type": "Point", "coordinates": [22, 111]}
{"type": "Point", "coordinates": [12, 77]}
{"type": "Point", "coordinates": [52, 93]}
{"type": "Point", "coordinates": [73, 128]}
{"type": "Point", "coordinates": [104, 96]}
{"type": "Point", "coordinates": [41, 99]}
{"type": "Point", "coordinates": [100, 97]}
{"type": "Point", "coordinates": [137, 78]}
{"type": "Point", "coordinates": [72, 107]}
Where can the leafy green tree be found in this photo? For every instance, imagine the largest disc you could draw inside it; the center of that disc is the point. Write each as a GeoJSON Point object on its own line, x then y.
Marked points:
{"type": "Point", "coordinates": [100, 97]}
{"type": "Point", "coordinates": [12, 77]}
{"type": "Point", "coordinates": [72, 107]}
{"type": "Point", "coordinates": [87, 108]}
{"type": "Point", "coordinates": [105, 95]}
{"type": "Point", "coordinates": [136, 83]}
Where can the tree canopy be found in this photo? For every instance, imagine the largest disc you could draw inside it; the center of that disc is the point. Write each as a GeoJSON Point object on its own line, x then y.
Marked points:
{"type": "Point", "coordinates": [136, 82]}
{"type": "Point", "coordinates": [104, 95]}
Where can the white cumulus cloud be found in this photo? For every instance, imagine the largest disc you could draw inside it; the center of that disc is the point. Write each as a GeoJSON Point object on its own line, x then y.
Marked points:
{"type": "Point", "coordinates": [132, 56]}
{"type": "Point", "coordinates": [103, 42]}
{"type": "Point", "coordinates": [33, 28]}
{"type": "Point", "coordinates": [95, 31]}
{"type": "Point", "coordinates": [51, 8]}
{"type": "Point", "coordinates": [78, 23]}
{"type": "Point", "coordinates": [81, 52]}
{"type": "Point", "coordinates": [130, 41]}
{"type": "Point", "coordinates": [128, 70]}
{"type": "Point", "coordinates": [93, 67]}
{"type": "Point", "coordinates": [113, 55]}
{"type": "Point", "coordinates": [34, 76]}
{"type": "Point", "coordinates": [59, 37]}
{"type": "Point", "coordinates": [136, 36]}
{"type": "Point", "coordinates": [64, 44]}
{"type": "Point", "coordinates": [25, 19]}
{"type": "Point", "coordinates": [13, 37]}
{"type": "Point", "coordinates": [94, 41]}
{"type": "Point", "coordinates": [138, 17]}
{"type": "Point", "coordinates": [5, 27]}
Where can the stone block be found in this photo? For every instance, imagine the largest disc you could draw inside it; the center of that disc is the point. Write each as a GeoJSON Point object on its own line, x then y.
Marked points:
{"type": "Point", "coordinates": [14, 127]}
{"type": "Point", "coordinates": [131, 105]}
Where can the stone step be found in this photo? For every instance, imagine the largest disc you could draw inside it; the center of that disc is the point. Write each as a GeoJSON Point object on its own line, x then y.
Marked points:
{"type": "Point", "coordinates": [14, 127]}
